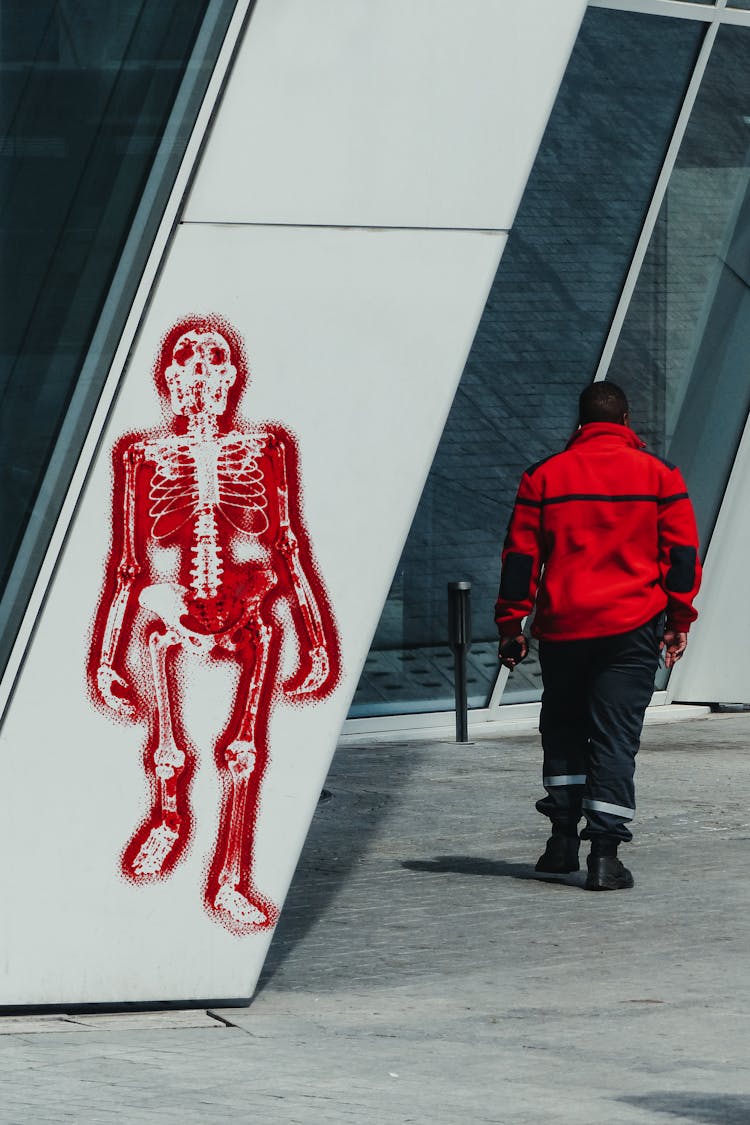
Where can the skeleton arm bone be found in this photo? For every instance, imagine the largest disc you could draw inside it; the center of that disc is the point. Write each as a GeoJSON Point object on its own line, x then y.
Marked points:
{"type": "Point", "coordinates": [288, 545]}
{"type": "Point", "coordinates": [127, 571]}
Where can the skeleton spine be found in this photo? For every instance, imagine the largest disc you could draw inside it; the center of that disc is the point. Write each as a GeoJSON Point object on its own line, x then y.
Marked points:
{"type": "Point", "coordinates": [205, 577]}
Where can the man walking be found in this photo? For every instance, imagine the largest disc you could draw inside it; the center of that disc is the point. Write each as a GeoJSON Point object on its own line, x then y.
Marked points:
{"type": "Point", "coordinates": [603, 541]}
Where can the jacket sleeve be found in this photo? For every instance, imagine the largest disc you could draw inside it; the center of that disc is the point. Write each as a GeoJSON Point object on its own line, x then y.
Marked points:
{"type": "Point", "coordinates": [521, 560]}
{"type": "Point", "coordinates": [679, 565]}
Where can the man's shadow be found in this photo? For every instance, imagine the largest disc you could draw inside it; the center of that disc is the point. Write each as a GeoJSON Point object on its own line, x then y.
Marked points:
{"type": "Point", "coordinates": [498, 868]}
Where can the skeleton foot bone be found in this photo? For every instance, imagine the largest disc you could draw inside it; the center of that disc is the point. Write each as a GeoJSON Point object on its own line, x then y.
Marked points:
{"type": "Point", "coordinates": [154, 850]}
{"type": "Point", "coordinates": [240, 909]}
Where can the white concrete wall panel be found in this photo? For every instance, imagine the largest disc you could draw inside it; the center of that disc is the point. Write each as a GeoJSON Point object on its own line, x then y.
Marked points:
{"type": "Point", "coordinates": [340, 114]}
{"type": "Point", "coordinates": [354, 341]}
{"type": "Point", "coordinates": [715, 666]}
{"type": "Point", "coordinates": [387, 113]}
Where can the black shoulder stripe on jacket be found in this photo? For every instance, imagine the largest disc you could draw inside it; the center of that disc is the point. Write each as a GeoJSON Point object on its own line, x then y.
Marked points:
{"type": "Point", "coordinates": [538, 464]}
{"type": "Point", "coordinates": [669, 464]}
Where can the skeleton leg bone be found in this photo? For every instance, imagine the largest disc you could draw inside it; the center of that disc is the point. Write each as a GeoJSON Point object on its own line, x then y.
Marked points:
{"type": "Point", "coordinates": [169, 761]}
{"type": "Point", "coordinates": [240, 757]}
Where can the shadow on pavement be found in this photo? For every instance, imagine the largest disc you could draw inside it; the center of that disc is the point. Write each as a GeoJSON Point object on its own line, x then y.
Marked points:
{"type": "Point", "coordinates": [707, 1109]}
{"type": "Point", "coordinates": [473, 865]}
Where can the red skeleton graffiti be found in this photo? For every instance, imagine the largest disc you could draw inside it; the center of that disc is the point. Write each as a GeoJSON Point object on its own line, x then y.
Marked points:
{"type": "Point", "coordinates": [226, 496]}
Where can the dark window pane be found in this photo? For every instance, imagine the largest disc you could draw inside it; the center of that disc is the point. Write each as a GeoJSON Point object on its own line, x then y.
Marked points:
{"type": "Point", "coordinates": [682, 356]}
{"type": "Point", "coordinates": [87, 91]}
{"type": "Point", "coordinates": [538, 344]}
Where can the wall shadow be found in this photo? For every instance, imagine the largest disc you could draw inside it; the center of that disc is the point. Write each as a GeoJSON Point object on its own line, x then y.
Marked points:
{"type": "Point", "coordinates": [364, 786]}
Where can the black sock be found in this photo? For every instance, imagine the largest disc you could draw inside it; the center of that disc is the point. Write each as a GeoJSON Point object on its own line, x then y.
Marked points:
{"type": "Point", "coordinates": [565, 828]}
{"type": "Point", "coordinates": [602, 847]}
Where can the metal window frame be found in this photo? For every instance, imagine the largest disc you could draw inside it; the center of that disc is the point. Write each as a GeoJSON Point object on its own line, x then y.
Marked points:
{"type": "Point", "coordinates": [657, 199]}
{"type": "Point", "coordinates": [441, 725]}
{"type": "Point", "coordinates": [707, 12]}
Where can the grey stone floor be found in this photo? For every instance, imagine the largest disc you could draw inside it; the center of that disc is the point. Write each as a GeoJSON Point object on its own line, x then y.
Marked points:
{"type": "Point", "coordinates": [422, 973]}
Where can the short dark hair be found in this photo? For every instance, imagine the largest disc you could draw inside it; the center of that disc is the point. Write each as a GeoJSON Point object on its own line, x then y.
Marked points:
{"type": "Point", "coordinates": [602, 402]}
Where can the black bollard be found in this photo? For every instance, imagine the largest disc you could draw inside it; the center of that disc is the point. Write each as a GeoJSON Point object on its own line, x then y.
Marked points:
{"type": "Point", "coordinates": [459, 638]}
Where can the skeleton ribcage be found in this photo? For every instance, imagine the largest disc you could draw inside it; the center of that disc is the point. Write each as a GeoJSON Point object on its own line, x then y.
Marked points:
{"type": "Point", "coordinates": [199, 479]}
{"type": "Point", "coordinates": [242, 491]}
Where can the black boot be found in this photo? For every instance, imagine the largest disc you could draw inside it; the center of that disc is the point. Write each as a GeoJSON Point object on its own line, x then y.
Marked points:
{"type": "Point", "coordinates": [606, 871]}
{"type": "Point", "coordinates": [560, 857]}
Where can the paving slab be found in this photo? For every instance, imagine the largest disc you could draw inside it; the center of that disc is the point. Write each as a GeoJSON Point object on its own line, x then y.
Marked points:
{"type": "Point", "coordinates": [423, 973]}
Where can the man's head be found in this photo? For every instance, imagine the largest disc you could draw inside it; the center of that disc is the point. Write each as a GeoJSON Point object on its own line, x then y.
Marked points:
{"type": "Point", "coordinates": [603, 402]}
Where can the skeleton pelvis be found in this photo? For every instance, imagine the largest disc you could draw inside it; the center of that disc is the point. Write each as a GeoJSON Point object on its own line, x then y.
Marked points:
{"type": "Point", "coordinates": [232, 606]}
{"type": "Point", "coordinates": [226, 610]}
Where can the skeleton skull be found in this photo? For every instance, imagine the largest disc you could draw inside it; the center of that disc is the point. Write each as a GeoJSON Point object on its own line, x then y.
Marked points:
{"type": "Point", "coordinates": [200, 374]}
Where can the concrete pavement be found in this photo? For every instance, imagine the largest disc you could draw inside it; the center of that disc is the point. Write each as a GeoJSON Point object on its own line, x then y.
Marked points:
{"type": "Point", "coordinates": [423, 973]}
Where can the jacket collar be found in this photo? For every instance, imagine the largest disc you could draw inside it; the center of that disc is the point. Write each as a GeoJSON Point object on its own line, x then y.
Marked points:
{"type": "Point", "coordinates": [592, 430]}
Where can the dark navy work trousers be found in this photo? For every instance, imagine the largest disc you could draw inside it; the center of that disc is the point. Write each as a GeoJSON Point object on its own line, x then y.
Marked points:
{"type": "Point", "coordinates": [595, 694]}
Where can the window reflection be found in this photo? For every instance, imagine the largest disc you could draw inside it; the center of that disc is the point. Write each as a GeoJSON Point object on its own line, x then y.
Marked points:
{"type": "Point", "coordinates": [682, 355]}
{"type": "Point", "coordinates": [86, 91]}
{"type": "Point", "coordinates": [538, 343]}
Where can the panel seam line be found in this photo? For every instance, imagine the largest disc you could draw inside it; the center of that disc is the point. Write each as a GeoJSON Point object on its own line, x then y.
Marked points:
{"type": "Point", "coordinates": [338, 226]}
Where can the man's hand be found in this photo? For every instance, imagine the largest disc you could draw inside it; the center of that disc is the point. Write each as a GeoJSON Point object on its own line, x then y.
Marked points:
{"type": "Point", "coordinates": [512, 650]}
{"type": "Point", "coordinates": [674, 644]}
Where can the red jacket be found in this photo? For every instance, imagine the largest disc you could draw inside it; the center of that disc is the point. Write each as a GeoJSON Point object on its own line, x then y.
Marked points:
{"type": "Point", "coordinates": [602, 538]}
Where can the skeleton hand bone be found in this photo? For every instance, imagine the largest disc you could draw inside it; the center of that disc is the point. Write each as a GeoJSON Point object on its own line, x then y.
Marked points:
{"type": "Point", "coordinates": [106, 678]}
{"type": "Point", "coordinates": [320, 667]}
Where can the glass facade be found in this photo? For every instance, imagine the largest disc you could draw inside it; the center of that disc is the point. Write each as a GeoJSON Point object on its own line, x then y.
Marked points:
{"type": "Point", "coordinates": [539, 342]}
{"type": "Point", "coordinates": [682, 355]}
{"type": "Point", "coordinates": [97, 102]}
